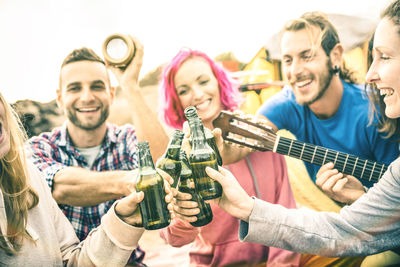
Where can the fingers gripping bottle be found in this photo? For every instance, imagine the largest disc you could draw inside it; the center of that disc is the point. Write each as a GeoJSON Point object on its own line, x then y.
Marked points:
{"type": "Point", "coordinates": [205, 216]}
{"type": "Point", "coordinates": [202, 156]}
{"type": "Point", "coordinates": [153, 208]}
{"type": "Point", "coordinates": [170, 161]}
{"type": "Point", "coordinates": [191, 113]}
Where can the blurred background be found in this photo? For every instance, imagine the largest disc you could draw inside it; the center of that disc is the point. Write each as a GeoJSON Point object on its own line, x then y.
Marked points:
{"type": "Point", "coordinates": [37, 35]}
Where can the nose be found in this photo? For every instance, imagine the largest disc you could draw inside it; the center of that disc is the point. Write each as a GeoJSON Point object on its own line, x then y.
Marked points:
{"type": "Point", "coordinates": [295, 69]}
{"type": "Point", "coordinates": [372, 74]}
{"type": "Point", "coordinates": [87, 95]}
{"type": "Point", "coordinates": [197, 92]}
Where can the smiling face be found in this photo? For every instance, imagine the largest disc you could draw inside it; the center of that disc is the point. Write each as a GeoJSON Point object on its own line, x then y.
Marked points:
{"type": "Point", "coordinates": [85, 94]}
{"type": "Point", "coordinates": [196, 85]}
{"type": "Point", "coordinates": [4, 131]}
{"type": "Point", "coordinates": [306, 66]}
{"type": "Point", "coordinates": [385, 68]}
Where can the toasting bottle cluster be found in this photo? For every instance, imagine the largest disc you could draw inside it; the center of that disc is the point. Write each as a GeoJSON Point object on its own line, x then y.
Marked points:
{"type": "Point", "coordinates": [188, 173]}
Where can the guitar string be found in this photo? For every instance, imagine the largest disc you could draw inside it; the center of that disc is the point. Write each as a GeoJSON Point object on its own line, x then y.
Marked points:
{"type": "Point", "coordinates": [371, 169]}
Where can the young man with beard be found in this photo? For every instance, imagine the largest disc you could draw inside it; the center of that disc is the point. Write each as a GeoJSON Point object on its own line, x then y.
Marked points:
{"type": "Point", "coordinates": [323, 106]}
{"type": "Point", "coordinates": [89, 163]}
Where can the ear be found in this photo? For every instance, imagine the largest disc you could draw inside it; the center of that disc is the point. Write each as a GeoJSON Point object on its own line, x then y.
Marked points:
{"type": "Point", "coordinates": [59, 99]}
{"type": "Point", "coordinates": [336, 55]}
{"type": "Point", "coordinates": [112, 93]}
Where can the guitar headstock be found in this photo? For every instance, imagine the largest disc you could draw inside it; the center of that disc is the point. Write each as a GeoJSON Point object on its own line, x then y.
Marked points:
{"type": "Point", "coordinates": [245, 130]}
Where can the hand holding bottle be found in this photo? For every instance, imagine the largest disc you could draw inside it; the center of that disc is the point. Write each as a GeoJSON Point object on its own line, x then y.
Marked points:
{"type": "Point", "coordinates": [234, 199]}
{"type": "Point", "coordinates": [128, 207]}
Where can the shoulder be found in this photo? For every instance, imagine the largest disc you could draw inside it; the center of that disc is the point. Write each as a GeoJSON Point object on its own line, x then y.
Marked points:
{"type": "Point", "coordinates": [283, 98]}
{"type": "Point", "coordinates": [121, 134]}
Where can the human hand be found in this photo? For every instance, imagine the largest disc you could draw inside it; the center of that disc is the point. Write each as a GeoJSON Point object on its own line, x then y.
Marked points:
{"type": "Point", "coordinates": [234, 199]}
{"type": "Point", "coordinates": [338, 186]}
{"type": "Point", "coordinates": [127, 208]}
{"type": "Point", "coordinates": [184, 208]}
{"type": "Point", "coordinates": [128, 77]}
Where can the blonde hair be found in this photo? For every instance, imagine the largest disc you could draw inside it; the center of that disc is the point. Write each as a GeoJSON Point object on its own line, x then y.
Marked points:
{"type": "Point", "coordinates": [327, 39]}
{"type": "Point", "coordinates": [19, 196]}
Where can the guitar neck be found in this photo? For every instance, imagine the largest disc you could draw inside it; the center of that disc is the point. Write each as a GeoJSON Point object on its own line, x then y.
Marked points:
{"type": "Point", "coordinates": [349, 164]}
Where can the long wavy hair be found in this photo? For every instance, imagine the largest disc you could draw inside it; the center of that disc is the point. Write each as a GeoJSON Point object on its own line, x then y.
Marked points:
{"type": "Point", "coordinates": [171, 110]}
{"type": "Point", "coordinates": [18, 195]}
{"type": "Point", "coordinates": [328, 37]}
{"type": "Point", "coordinates": [386, 125]}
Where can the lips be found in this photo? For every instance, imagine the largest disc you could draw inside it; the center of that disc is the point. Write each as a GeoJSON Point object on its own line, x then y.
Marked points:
{"type": "Point", "coordinates": [203, 105]}
{"type": "Point", "coordinates": [91, 109]}
{"type": "Point", "coordinates": [303, 83]}
{"type": "Point", "coordinates": [387, 92]}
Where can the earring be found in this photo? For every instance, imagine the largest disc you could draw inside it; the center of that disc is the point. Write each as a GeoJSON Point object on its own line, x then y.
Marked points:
{"type": "Point", "coordinates": [336, 70]}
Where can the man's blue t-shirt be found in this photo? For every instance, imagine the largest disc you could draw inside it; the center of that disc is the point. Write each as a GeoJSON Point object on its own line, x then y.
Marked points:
{"type": "Point", "coordinates": [347, 131]}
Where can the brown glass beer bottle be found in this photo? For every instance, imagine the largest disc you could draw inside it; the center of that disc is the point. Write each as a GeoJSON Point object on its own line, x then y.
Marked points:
{"type": "Point", "coordinates": [170, 161]}
{"type": "Point", "coordinates": [191, 114]}
{"type": "Point", "coordinates": [205, 215]}
{"type": "Point", "coordinates": [202, 156]}
{"type": "Point", "coordinates": [153, 208]}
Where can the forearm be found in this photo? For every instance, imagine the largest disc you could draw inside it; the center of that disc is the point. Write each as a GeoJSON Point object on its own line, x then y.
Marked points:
{"type": "Point", "coordinates": [353, 232]}
{"type": "Point", "coordinates": [80, 187]}
{"type": "Point", "coordinates": [112, 237]}
{"type": "Point", "coordinates": [147, 125]}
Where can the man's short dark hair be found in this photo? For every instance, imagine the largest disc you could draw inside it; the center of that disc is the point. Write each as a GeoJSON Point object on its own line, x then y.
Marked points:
{"type": "Point", "coordinates": [82, 54]}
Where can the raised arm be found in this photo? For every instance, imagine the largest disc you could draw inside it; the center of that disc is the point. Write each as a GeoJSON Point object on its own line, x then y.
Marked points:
{"type": "Point", "coordinates": [148, 127]}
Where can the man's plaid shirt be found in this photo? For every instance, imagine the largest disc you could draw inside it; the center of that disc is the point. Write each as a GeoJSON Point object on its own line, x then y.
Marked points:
{"type": "Point", "coordinates": [54, 150]}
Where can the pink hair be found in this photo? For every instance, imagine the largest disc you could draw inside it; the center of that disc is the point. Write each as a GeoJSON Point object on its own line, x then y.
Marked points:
{"type": "Point", "coordinates": [170, 108]}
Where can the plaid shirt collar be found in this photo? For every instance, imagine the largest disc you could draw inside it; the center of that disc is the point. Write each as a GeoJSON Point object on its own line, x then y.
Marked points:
{"type": "Point", "coordinates": [65, 140]}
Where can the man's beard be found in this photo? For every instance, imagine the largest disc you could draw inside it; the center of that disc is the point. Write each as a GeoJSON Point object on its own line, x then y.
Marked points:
{"type": "Point", "coordinates": [88, 126]}
{"type": "Point", "coordinates": [324, 82]}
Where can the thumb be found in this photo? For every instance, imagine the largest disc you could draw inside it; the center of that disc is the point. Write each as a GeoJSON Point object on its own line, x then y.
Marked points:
{"type": "Point", "coordinates": [220, 176]}
{"type": "Point", "coordinates": [129, 204]}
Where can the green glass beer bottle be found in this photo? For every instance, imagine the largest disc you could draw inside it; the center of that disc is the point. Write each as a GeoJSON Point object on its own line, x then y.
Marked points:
{"type": "Point", "coordinates": [191, 114]}
{"type": "Point", "coordinates": [170, 161]}
{"type": "Point", "coordinates": [202, 156]}
{"type": "Point", "coordinates": [205, 215]}
{"type": "Point", "coordinates": [153, 208]}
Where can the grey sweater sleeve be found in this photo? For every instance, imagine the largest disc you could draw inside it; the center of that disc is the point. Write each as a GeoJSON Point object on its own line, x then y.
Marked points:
{"type": "Point", "coordinates": [370, 225]}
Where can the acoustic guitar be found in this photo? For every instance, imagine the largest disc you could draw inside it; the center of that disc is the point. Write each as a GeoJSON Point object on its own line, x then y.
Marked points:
{"type": "Point", "coordinates": [250, 132]}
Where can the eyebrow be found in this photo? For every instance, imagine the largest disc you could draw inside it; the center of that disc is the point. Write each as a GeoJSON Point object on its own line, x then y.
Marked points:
{"type": "Point", "coordinates": [73, 84]}
{"type": "Point", "coordinates": [98, 81]}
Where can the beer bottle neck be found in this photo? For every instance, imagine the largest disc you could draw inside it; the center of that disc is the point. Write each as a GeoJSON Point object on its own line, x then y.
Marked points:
{"type": "Point", "coordinates": [174, 146]}
{"type": "Point", "coordinates": [145, 159]}
{"type": "Point", "coordinates": [197, 135]}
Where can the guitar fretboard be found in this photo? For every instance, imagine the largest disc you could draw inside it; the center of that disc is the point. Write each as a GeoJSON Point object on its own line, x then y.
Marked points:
{"type": "Point", "coordinates": [345, 163]}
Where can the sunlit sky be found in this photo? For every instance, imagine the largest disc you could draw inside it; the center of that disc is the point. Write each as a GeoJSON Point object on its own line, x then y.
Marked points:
{"type": "Point", "coordinates": [36, 35]}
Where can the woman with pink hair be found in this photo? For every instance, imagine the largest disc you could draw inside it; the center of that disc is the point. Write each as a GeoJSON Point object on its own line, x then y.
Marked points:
{"type": "Point", "coordinates": [194, 79]}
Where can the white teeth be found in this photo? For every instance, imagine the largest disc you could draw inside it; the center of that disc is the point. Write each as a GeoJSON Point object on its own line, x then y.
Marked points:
{"type": "Point", "coordinates": [387, 92]}
{"type": "Point", "coordinates": [87, 109]}
{"type": "Point", "coordinates": [202, 105]}
{"type": "Point", "coordinates": [303, 83]}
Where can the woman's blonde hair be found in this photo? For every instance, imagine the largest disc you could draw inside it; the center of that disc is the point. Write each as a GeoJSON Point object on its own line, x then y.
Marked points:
{"type": "Point", "coordinates": [18, 195]}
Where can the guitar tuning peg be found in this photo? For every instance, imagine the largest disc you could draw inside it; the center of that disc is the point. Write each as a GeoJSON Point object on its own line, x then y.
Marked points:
{"type": "Point", "coordinates": [238, 112]}
{"type": "Point", "coordinates": [248, 117]}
